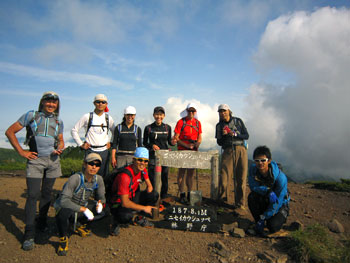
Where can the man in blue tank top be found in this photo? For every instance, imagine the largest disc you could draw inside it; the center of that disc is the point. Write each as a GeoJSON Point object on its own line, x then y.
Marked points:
{"type": "Point", "coordinates": [45, 141]}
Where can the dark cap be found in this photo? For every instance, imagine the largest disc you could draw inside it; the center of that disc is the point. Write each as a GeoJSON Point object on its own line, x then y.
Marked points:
{"type": "Point", "coordinates": [158, 109]}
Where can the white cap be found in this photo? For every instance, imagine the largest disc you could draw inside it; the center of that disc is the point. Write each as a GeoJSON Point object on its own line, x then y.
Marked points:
{"type": "Point", "coordinates": [100, 97]}
{"type": "Point", "coordinates": [130, 110]}
{"type": "Point", "coordinates": [223, 107]}
{"type": "Point", "coordinates": [191, 105]}
{"type": "Point", "coordinates": [183, 114]}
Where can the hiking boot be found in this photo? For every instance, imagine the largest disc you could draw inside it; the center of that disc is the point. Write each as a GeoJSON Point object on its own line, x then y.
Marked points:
{"type": "Point", "coordinates": [83, 231]}
{"type": "Point", "coordinates": [28, 244]}
{"type": "Point", "coordinates": [63, 246]}
{"type": "Point", "coordinates": [115, 230]}
{"type": "Point", "coordinates": [142, 221]}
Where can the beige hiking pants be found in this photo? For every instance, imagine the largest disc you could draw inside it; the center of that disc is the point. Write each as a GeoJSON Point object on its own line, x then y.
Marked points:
{"type": "Point", "coordinates": [234, 164]}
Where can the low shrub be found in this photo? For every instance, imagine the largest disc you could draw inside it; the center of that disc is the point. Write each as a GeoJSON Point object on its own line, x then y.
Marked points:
{"type": "Point", "coordinates": [315, 244]}
{"type": "Point", "coordinates": [70, 166]}
{"type": "Point", "coordinates": [342, 186]}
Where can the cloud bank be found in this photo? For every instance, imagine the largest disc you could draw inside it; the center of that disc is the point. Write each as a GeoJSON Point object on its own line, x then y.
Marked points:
{"type": "Point", "coordinates": [51, 75]}
{"type": "Point", "coordinates": [308, 121]}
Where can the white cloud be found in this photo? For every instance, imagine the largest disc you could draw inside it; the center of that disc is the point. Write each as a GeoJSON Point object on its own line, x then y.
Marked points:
{"type": "Point", "coordinates": [50, 75]}
{"type": "Point", "coordinates": [63, 52]}
{"type": "Point", "coordinates": [310, 117]}
{"type": "Point", "coordinates": [89, 21]}
{"type": "Point", "coordinates": [207, 115]}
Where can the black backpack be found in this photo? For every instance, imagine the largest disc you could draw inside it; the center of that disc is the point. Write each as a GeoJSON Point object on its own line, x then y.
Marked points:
{"type": "Point", "coordinates": [112, 192]}
{"type": "Point", "coordinates": [102, 126]}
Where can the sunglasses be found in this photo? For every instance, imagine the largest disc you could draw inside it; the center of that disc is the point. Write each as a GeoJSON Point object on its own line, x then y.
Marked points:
{"type": "Point", "coordinates": [50, 97]}
{"type": "Point", "coordinates": [141, 160]}
{"type": "Point", "coordinates": [92, 163]}
{"type": "Point", "coordinates": [191, 110]}
{"type": "Point", "coordinates": [100, 101]}
{"type": "Point", "coordinates": [264, 160]}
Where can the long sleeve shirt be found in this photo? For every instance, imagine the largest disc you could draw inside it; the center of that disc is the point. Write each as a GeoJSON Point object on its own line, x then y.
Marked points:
{"type": "Point", "coordinates": [236, 125]}
{"type": "Point", "coordinates": [97, 135]}
{"type": "Point", "coordinates": [159, 135]}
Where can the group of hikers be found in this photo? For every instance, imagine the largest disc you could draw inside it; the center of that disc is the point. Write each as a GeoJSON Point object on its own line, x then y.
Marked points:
{"type": "Point", "coordinates": [132, 156]}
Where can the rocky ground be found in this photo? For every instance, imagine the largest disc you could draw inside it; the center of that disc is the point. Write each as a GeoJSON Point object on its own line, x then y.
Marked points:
{"type": "Point", "coordinates": [137, 244]}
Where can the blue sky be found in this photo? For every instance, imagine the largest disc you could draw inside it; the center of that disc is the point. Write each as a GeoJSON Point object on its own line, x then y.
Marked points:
{"type": "Point", "coordinates": [150, 53]}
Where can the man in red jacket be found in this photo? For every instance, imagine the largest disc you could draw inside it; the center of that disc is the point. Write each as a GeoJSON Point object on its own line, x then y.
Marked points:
{"type": "Point", "coordinates": [127, 197]}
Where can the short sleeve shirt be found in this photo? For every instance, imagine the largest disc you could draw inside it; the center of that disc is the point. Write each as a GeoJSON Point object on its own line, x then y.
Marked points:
{"type": "Point", "coordinates": [123, 182]}
{"type": "Point", "coordinates": [45, 144]}
{"type": "Point", "coordinates": [191, 130]}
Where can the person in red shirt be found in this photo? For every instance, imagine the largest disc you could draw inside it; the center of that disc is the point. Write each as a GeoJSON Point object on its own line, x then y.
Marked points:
{"type": "Point", "coordinates": [188, 135]}
{"type": "Point", "coordinates": [127, 197]}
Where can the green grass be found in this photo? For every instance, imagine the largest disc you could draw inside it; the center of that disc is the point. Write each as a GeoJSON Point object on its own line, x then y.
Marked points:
{"type": "Point", "coordinates": [70, 166]}
{"type": "Point", "coordinates": [342, 186]}
{"type": "Point", "coordinates": [71, 160]}
{"type": "Point", "coordinates": [10, 165]}
{"type": "Point", "coordinates": [315, 244]}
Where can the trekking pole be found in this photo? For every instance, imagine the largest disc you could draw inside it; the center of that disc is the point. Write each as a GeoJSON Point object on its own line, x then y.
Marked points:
{"type": "Point", "coordinates": [75, 221]}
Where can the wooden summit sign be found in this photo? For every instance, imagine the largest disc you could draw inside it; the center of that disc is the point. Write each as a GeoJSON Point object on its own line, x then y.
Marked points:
{"type": "Point", "coordinates": [190, 218]}
{"type": "Point", "coordinates": [189, 159]}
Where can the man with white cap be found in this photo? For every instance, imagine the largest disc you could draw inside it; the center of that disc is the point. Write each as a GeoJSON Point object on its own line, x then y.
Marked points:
{"type": "Point", "coordinates": [231, 135]}
{"type": "Point", "coordinates": [74, 200]}
{"type": "Point", "coordinates": [127, 137]}
{"type": "Point", "coordinates": [99, 126]}
{"type": "Point", "coordinates": [188, 135]}
{"type": "Point", "coordinates": [45, 141]}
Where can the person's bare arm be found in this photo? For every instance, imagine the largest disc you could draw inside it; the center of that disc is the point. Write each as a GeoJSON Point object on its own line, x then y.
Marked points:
{"type": "Point", "coordinates": [11, 135]}
{"type": "Point", "coordinates": [127, 203]}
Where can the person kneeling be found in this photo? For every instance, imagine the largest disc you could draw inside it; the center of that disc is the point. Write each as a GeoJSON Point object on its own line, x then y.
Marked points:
{"type": "Point", "coordinates": [269, 198]}
{"type": "Point", "coordinates": [126, 197]}
{"type": "Point", "coordinates": [73, 202]}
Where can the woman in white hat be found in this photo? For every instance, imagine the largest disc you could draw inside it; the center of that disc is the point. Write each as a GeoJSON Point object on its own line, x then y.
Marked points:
{"type": "Point", "coordinates": [188, 135]}
{"type": "Point", "coordinates": [127, 137]}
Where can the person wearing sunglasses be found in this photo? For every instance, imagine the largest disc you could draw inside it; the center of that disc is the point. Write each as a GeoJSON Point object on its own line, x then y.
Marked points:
{"type": "Point", "coordinates": [74, 202]}
{"type": "Point", "coordinates": [231, 135]}
{"type": "Point", "coordinates": [188, 135]}
{"type": "Point", "coordinates": [45, 140]}
{"type": "Point", "coordinates": [98, 126]}
{"type": "Point", "coordinates": [157, 136]}
{"type": "Point", "coordinates": [269, 199]}
{"type": "Point", "coordinates": [126, 197]}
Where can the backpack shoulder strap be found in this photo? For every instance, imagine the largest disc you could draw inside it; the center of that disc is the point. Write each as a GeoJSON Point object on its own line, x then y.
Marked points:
{"type": "Point", "coordinates": [135, 130]}
{"type": "Point", "coordinates": [81, 183]}
{"type": "Point", "coordinates": [127, 171]}
{"type": "Point", "coordinates": [89, 123]}
{"type": "Point", "coordinates": [33, 122]}
{"type": "Point", "coordinates": [107, 121]}
{"type": "Point", "coordinates": [183, 124]}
